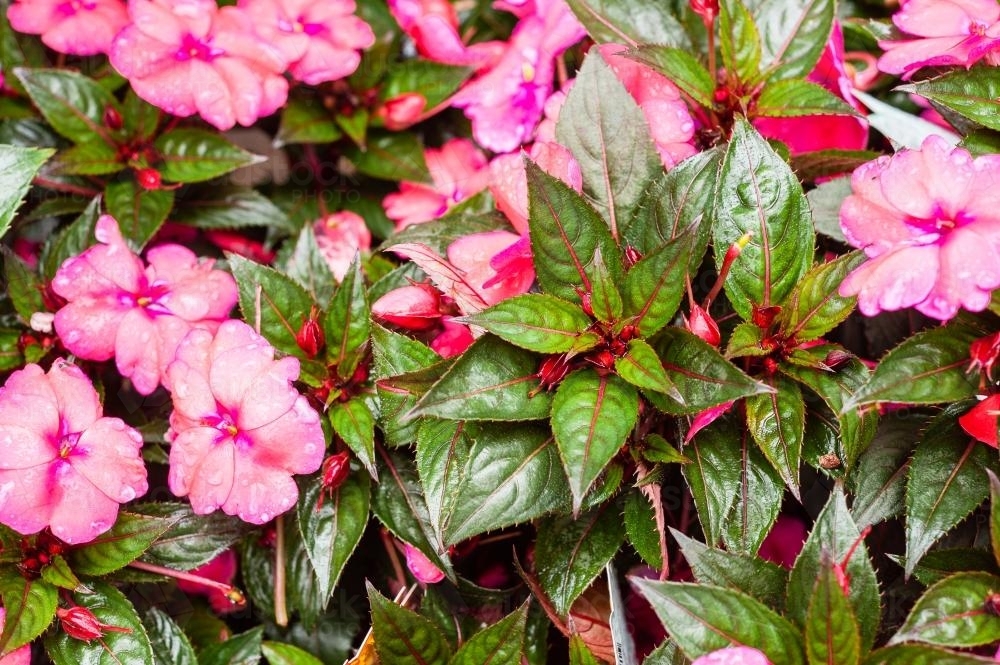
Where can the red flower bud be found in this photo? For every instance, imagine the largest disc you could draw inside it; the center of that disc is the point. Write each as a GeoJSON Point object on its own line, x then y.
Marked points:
{"type": "Point", "coordinates": [551, 371]}
{"type": "Point", "coordinates": [81, 624]}
{"type": "Point", "coordinates": [704, 326]}
{"type": "Point", "coordinates": [706, 9]}
{"type": "Point", "coordinates": [112, 118]}
{"type": "Point", "coordinates": [763, 317]}
{"type": "Point", "coordinates": [632, 255]}
{"type": "Point", "coordinates": [980, 422]}
{"type": "Point", "coordinates": [310, 336]}
{"type": "Point", "coordinates": [148, 178]}
{"type": "Point", "coordinates": [984, 352]}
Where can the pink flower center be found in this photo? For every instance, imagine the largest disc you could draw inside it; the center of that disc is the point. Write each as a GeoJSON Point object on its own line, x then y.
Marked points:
{"type": "Point", "coordinates": [67, 444]}
{"type": "Point", "coordinates": [73, 6]}
{"type": "Point", "coordinates": [149, 298]}
{"type": "Point", "coordinates": [225, 423]}
{"type": "Point", "coordinates": [300, 25]}
{"type": "Point", "coordinates": [977, 28]}
{"type": "Point", "coordinates": [193, 48]}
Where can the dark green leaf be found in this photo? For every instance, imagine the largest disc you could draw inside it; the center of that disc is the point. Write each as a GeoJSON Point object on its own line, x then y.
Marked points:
{"type": "Point", "coordinates": [972, 93]}
{"type": "Point", "coordinates": [331, 531]}
{"type": "Point", "coordinates": [608, 134]}
{"type": "Point", "coordinates": [17, 168]}
{"type": "Point", "coordinates": [306, 120]}
{"type": "Point", "coordinates": [814, 307]}
{"type": "Point", "coordinates": [192, 540]}
{"type": "Point", "coordinates": [140, 117]}
{"type": "Point", "coordinates": [231, 208]}
{"type": "Point", "coordinates": [170, 645]}
{"type": "Point", "coordinates": [242, 649]}
{"type": "Point", "coordinates": [952, 613]}
{"type": "Point", "coordinates": [443, 448]}
{"type": "Point", "coordinates": [641, 367]}
{"type": "Point", "coordinates": [739, 41]}
{"type": "Point", "coordinates": [682, 68]}
{"type": "Point", "coordinates": [500, 644]}
{"type": "Point", "coordinates": [758, 194]}
{"type": "Point", "coordinates": [94, 158]}
{"type": "Point", "coordinates": [580, 654]}
{"type": "Point", "coordinates": [713, 476]}
{"type": "Point", "coordinates": [125, 542]}
{"type": "Point", "coordinates": [111, 607]}
{"type": "Point", "coordinates": [605, 299]}
{"type": "Point", "coordinates": [194, 155]}
{"type": "Point", "coordinates": [702, 619]}
{"type": "Point", "coordinates": [305, 263]}
{"type": "Point", "coordinates": [348, 323]}
{"type": "Point", "coordinates": [282, 653]}
{"type": "Point", "coordinates": [456, 223]}
{"type": "Point", "coordinates": [758, 500]}
{"type": "Point", "coordinates": [30, 606]}
{"type": "Point", "coordinates": [492, 380]}
{"type": "Point", "coordinates": [825, 201]}
{"type": "Point", "coordinates": [657, 449]}
{"type": "Point", "coordinates": [276, 301]}
{"type": "Point", "coordinates": [403, 637]}
{"type": "Point", "coordinates": [615, 21]}
{"type": "Point", "coordinates": [434, 81]}
{"type": "Point", "coordinates": [354, 422]}
{"type": "Point", "coordinates": [640, 527]}
{"type": "Point", "coordinates": [831, 630]}
{"type": "Point", "coordinates": [913, 654]}
{"type": "Point", "coordinates": [994, 514]}
{"type": "Point", "coordinates": [58, 573]}
{"type": "Point", "coordinates": [746, 339]}
{"type": "Point", "coordinates": [570, 553]}
{"type": "Point", "coordinates": [140, 212]}
{"type": "Point", "coordinates": [537, 322]}
{"type": "Point", "coordinates": [655, 284]}
{"type": "Point", "coordinates": [944, 562]}
{"type": "Point", "coordinates": [592, 416]}
{"type": "Point", "coordinates": [810, 166]}
{"type": "Point", "coordinates": [925, 369]}
{"type": "Point", "coordinates": [72, 103]}
{"type": "Point", "coordinates": [794, 35]}
{"type": "Point", "coordinates": [355, 125]}
{"type": "Point", "coordinates": [834, 534]}
{"type": "Point", "coordinates": [23, 285]}
{"type": "Point", "coordinates": [880, 477]}
{"type": "Point", "coordinates": [777, 423]}
{"type": "Point", "coordinates": [793, 98]}
{"type": "Point", "coordinates": [395, 354]}
{"type": "Point", "coordinates": [396, 156]}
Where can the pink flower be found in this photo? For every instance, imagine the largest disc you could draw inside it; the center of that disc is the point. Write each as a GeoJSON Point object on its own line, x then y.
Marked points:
{"type": "Point", "coordinates": [413, 307]}
{"type": "Point", "coordinates": [929, 220]}
{"type": "Point", "coordinates": [63, 465]}
{"type": "Point", "coordinates": [475, 257]}
{"type": "Point", "coordinates": [784, 542]}
{"type": "Point", "coordinates": [505, 102]}
{"type": "Point", "coordinates": [20, 655]}
{"type": "Point", "coordinates": [947, 33]}
{"type": "Point", "coordinates": [509, 182]}
{"type": "Point", "coordinates": [239, 429]}
{"type": "Point", "coordinates": [421, 566]}
{"type": "Point", "coordinates": [980, 422]}
{"type": "Point", "coordinates": [458, 171]}
{"type": "Point", "coordinates": [733, 656]}
{"type": "Point", "coordinates": [341, 236]}
{"type": "Point", "coordinates": [77, 27]}
{"type": "Point", "coordinates": [222, 569]}
{"type": "Point", "coordinates": [669, 120]}
{"type": "Point", "coordinates": [138, 314]}
{"type": "Point", "coordinates": [454, 339]}
{"type": "Point", "coordinates": [433, 27]}
{"type": "Point", "coordinates": [189, 56]}
{"type": "Point", "coordinates": [320, 38]}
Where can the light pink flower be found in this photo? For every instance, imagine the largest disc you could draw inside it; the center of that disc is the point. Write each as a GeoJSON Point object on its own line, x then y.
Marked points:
{"type": "Point", "coordinates": [421, 566]}
{"type": "Point", "coordinates": [239, 429]}
{"type": "Point", "coordinates": [138, 314]}
{"type": "Point", "coordinates": [320, 38]}
{"type": "Point", "coordinates": [413, 307]}
{"type": "Point", "coordinates": [62, 464]}
{"type": "Point", "coordinates": [929, 220]}
{"type": "Point", "coordinates": [77, 27]}
{"type": "Point", "coordinates": [669, 120]}
{"type": "Point", "coordinates": [509, 182]}
{"type": "Point", "coordinates": [505, 101]}
{"type": "Point", "coordinates": [822, 132]}
{"type": "Point", "coordinates": [433, 27]}
{"type": "Point", "coordinates": [947, 33]}
{"type": "Point", "coordinates": [190, 56]}
{"type": "Point", "coordinates": [341, 236]}
{"type": "Point", "coordinates": [458, 171]}
{"type": "Point", "coordinates": [454, 339]}
{"type": "Point", "coordinates": [20, 655]}
{"type": "Point", "coordinates": [733, 656]}
{"type": "Point", "coordinates": [473, 256]}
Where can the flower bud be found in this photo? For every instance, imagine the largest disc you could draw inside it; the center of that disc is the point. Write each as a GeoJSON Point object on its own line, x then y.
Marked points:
{"type": "Point", "coordinates": [81, 624]}
{"type": "Point", "coordinates": [148, 178]}
{"type": "Point", "coordinates": [112, 118]}
{"type": "Point", "coordinates": [334, 471]}
{"type": "Point", "coordinates": [706, 9]}
{"type": "Point", "coordinates": [414, 307]}
{"type": "Point", "coordinates": [980, 422]}
{"type": "Point", "coordinates": [704, 326]}
{"type": "Point", "coordinates": [402, 111]}
{"type": "Point", "coordinates": [310, 336]}
{"type": "Point", "coordinates": [983, 353]}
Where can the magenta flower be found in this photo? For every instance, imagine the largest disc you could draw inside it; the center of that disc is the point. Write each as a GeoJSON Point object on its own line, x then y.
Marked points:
{"type": "Point", "coordinates": [505, 102]}
{"type": "Point", "coordinates": [239, 429]}
{"type": "Point", "coordinates": [458, 170]}
{"type": "Point", "coordinates": [733, 656]}
{"type": "Point", "coordinates": [929, 220]}
{"type": "Point", "coordinates": [433, 27]}
{"type": "Point", "coordinates": [420, 566]}
{"type": "Point", "coordinates": [76, 27]}
{"type": "Point", "coordinates": [340, 237]}
{"type": "Point", "coordinates": [320, 38]}
{"type": "Point", "coordinates": [946, 33]}
{"type": "Point", "coordinates": [137, 314]}
{"type": "Point", "coordinates": [189, 56]}
{"type": "Point", "coordinates": [62, 464]}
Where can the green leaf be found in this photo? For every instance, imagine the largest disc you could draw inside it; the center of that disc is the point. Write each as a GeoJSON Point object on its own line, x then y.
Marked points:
{"type": "Point", "coordinates": [566, 233]}
{"type": "Point", "coordinates": [746, 339]}
{"type": "Point", "coordinates": [831, 630]}
{"type": "Point", "coordinates": [758, 194]}
{"type": "Point", "coordinates": [814, 307]}
{"type": "Point", "coordinates": [833, 535]}
{"type": "Point", "coordinates": [537, 322]}
{"type": "Point", "coordinates": [23, 285]}
{"type": "Point", "coordinates": [758, 500]}
{"type": "Point", "coordinates": [655, 284]}
{"type": "Point", "coordinates": [355, 125]}
{"type": "Point", "coordinates": [331, 531]}
{"type": "Point", "coordinates": [141, 118]}
{"type": "Point", "coordinates": [879, 487]}
{"type": "Point", "coordinates": [396, 156]}
{"type": "Point", "coordinates": [125, 542]}
{"type": "Point", "coordinates": [278, 302]}
{"type": "Point", "coordinates": [354, 422]}
{"type": "Point", "coordinates": [946, 482]}
{"type": "Point", "coordinates": [58, 573]}
{"type": "Point", "coordinates": [512, 475]}
{"type": "Point", "coordinates": [592, 416]}
{"type": "Point", "coordinates": [615, 21]}
{"type": "Point", "coordinates": [348, 322]}
{"type": "Point", "coordinates": [570, 553]}
{"type": "Point", "coordinates": [194, 155]}
{"type": "Point", "coordinates": [111, 607]}
{"type": "Point", "coordinates": [820, 164]}
{"type": "Point", "coordinates": [231, 208]}
{"type": "Point", "coordinates": [72, 103]}
{"type": "Point", "coordinates": [777, 423]}
{"type": "Point", "coordinates": [306, 120]}
{"type": "Point", "coordinates": [492, 380]}
{"type": "Point", "coordinates": [952, 613]}
{"type": "Point", "coordinates": [608, 134]}
{"type": "Point", "coordinates": [605, 299]}
{"type": "Point", "coordinates": [971, 93]}
{"type": "Point", "coordinates": [700, 373]}
{"type": "Point", "coordinates": [994, 514]}
{"type": "Point", "coordinates": [443, 448]}
{"type": "Point", "coordinates": [703, 618]}
{"type": "Point", "coordinates": [282, 653]}
{"type": "Point", "coordinates": [395, 354]}
{"type": "Point", "coordinates": [794, 35]}
{"type": "Point", "coordinates": [435, 81]}
{"type": "Point", "coordinates": [739, 41]}
{"type": "Point", "coordinates": [140, 212]}
{"type": "Point", "coordinates": [404, 637]}
{"type": "Point", "coordinates": [30, 606]}
{"type": "Point", "coordinates": [682, 68]}
{"type": "Point", "coordinates": [499, 644]}
{"type": "Point", "coordinates": [657, 449]}
{"type": "Point", "coordinates": [94, 158]}
{"type": "Point", "coordinates": [580, 653]}
{"type": "Point", "coordinates": [755, 577]}
{"type": "Point", "coordinates": [794, 98]}
{"type": "Point", "coordinates": [641, 367]}
{"type": "Point", "coordinates": [925, 369]}
{"type": "Point", "coordinates": [713, 476]}
{"type": "Point", "coordinates": [170, 645]}
{"type": "Point", "coordinates": [18, 167]}
{"type": "Point", "coordinates": [640, 528]}
{"type": "Point", "coordinates": [304, 263]}
{"type": "Point", "coordinates": [943, 562]}
{"type": "Point", "coordinates": [914, 654]}
{"type": "Point", "coordinates": [192, 540]}
{"type": "Point", "coordinates": [242, 649]}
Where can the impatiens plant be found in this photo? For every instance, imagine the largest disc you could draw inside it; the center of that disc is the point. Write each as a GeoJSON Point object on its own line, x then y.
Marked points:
{"type": "Point", "coordinates": [524, 332]}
